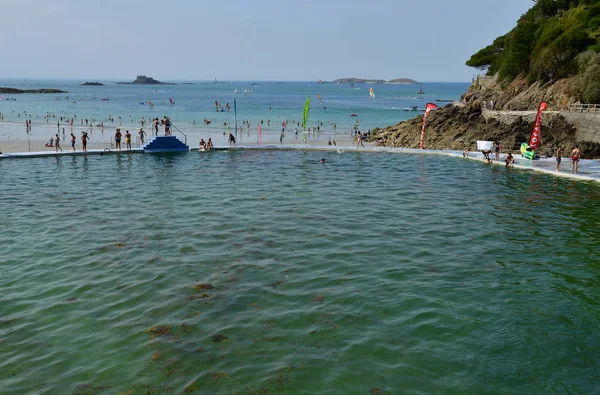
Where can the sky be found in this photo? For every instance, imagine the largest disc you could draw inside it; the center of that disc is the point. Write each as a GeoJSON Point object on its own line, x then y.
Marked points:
{"type": "Point", "coordinates": [259, 40]}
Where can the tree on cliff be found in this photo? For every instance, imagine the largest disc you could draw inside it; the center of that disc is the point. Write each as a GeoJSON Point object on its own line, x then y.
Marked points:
{"type": "Point", "coordinates": [544, 44]}
{"type": "Point", "coordinates": [588, 78]}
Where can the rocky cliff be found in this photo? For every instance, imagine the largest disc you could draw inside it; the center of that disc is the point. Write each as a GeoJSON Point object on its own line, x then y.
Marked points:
{"type": "Point", "coordinates": [459, 126]}
{"type": "Point", "coordinates": [519, 96]}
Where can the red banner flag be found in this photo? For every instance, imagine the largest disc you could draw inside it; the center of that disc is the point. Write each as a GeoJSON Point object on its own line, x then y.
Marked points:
{"type": "Point", "coordinates": [534, 141]}
{"type": "Point", "coordinates": [428, 108]}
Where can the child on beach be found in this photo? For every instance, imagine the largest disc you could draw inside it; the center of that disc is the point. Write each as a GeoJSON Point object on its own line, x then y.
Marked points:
{"type": "Point", "coordinates": [73, 139]}
{"type": "Point", "coordinates": [510, 160]}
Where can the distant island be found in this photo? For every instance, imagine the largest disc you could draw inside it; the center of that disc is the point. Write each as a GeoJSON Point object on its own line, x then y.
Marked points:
{"type": "Point", "coordinates": [14, 91]}
{"type": "Point", "coordinates": [143, 80]}
{"type": "Point", "coordinates": [367, 81]}
{"type": "Point", "coordinates": [92, 83]}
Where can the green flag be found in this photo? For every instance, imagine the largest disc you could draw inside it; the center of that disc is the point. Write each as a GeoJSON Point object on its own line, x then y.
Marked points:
{"type": "Point", "coordinates": [306, 110]}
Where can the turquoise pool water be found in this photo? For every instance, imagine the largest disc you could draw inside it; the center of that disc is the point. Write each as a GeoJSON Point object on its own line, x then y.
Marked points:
{"type": "Point", "coordinates": [372, 273]}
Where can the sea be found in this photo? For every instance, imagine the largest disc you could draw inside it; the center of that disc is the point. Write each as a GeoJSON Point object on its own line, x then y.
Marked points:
{"type": "Point", "coordinates": [270, 272]}
{"type": "Point", "coordinates": [268, 104]}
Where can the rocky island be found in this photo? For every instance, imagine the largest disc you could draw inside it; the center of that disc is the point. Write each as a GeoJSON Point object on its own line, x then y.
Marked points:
{"type": "Point", "coordinates": [92, 83]}
{"type": "Point", "coordinates": [552, 55]}
{"type": "Point", "coordinates": [143, 80]}
{"type": "Point", "coordinates": [14, 91]}
{"type": "Point", "coordinates": [353, 80]}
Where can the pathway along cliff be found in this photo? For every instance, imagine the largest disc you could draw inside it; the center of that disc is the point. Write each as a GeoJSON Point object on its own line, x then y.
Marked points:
{"type": "Point", "coordinates": [457, 127]}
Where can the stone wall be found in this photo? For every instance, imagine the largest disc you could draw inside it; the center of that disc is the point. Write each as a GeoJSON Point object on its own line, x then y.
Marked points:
{"type": "Point", "coordinates": [484, 81]}
{"type": "Point", "coordinates": [508, 117]}
{"type": "Point", "coordinates": [587, 124]}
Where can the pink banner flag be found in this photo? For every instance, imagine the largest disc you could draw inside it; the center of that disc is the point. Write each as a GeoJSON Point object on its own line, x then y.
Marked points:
{"type": "Point", "coordinates": [259, 135]}
{"type": "Point", "coordinates": [428, 108]}
{"type": "Point", "coordinates": [534, 141]}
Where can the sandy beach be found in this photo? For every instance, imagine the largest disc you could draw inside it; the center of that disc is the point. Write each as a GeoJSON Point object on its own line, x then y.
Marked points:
{"type": "Point", "coordinates": [14, 138]}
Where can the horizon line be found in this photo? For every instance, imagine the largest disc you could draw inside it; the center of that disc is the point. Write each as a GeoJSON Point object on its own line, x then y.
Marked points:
{"type": "Point", "coordinates": [96, 79]}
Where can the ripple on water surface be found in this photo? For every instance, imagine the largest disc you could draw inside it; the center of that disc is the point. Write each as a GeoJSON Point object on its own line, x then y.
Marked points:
{"type": "Point", "coordinates": [269, 272]}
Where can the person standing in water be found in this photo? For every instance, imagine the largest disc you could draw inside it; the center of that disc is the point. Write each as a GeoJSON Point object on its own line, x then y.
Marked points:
{"type": "Point", "coordinates": [558, 158]}
{"type": "Point", "coordinates": [73, 139]}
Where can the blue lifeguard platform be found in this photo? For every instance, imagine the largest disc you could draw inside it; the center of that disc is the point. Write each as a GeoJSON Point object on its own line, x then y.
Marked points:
{"type": "Point", "coordinates": [165, 144]}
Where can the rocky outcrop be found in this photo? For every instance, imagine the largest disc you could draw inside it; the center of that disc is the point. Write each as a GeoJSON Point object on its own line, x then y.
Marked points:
{"type": "Point", "coordinates": [92, 83]}
{"type": "Point", "coordinates": [19, 91]}
{"type": "Point", "coordinates": [401, 81]}
{"type": "Point", "coordinates": [519, 96]}
{"type": "Point", "coordinates": [143, 80]}
{"type": "Point", "coordinates": [456, 128]}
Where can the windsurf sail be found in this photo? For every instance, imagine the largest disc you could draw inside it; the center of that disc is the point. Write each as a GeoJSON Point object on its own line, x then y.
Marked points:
{"type": "Point", "coordinates": [428, 108]}
{"type": "Point", "coordinates": [306, 110]}
{"type": "Point", "coordinates": [534, 141]}
{"type": "Point", "coordinates": [371, 93]}
{"type": "Point", "coordinates": [171, 101]}
{"type": "Point", "coordinates": [259, 135]}
{"type": "Point", "coordinates": [150, 104]}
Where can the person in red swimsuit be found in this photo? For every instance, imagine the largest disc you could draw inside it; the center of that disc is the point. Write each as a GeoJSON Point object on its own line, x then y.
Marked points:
{"type": "Point", "coordinates": [84, 140]}
{"type": "Point", "coordinates": [575, 154]}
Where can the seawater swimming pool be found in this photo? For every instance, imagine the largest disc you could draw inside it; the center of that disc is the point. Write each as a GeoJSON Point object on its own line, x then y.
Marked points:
{"type": "Point", "coordinates": [371, 273]}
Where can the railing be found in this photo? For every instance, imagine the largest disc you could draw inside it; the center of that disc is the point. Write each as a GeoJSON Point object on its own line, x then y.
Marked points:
{"type": "Point", "coordinates": [183, 134]}
{"type": "Point", "coordinates": [591, 108]}
{"type": "Point", "coordinates": [148, 133]}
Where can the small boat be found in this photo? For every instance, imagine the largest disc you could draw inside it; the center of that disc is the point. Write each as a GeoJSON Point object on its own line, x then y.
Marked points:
{"type": "Point", "coordinates": [420, 92]}
{"type": "Point", "coordinates": [411, 108]}
{"type": "Point", "coordinates": [105, 98]}
{"type": "Point", "coordinates": [353, 115]}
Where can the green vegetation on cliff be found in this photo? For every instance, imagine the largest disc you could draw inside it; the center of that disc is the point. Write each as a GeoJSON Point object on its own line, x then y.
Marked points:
{"type": "Point", "coordinates": [545, 43]}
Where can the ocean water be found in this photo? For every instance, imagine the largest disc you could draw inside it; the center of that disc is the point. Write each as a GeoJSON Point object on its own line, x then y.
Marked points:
{"type": "Point", "coordinates": [267, 272]}
{"type": "Point", "coordinates": [267, 101]}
